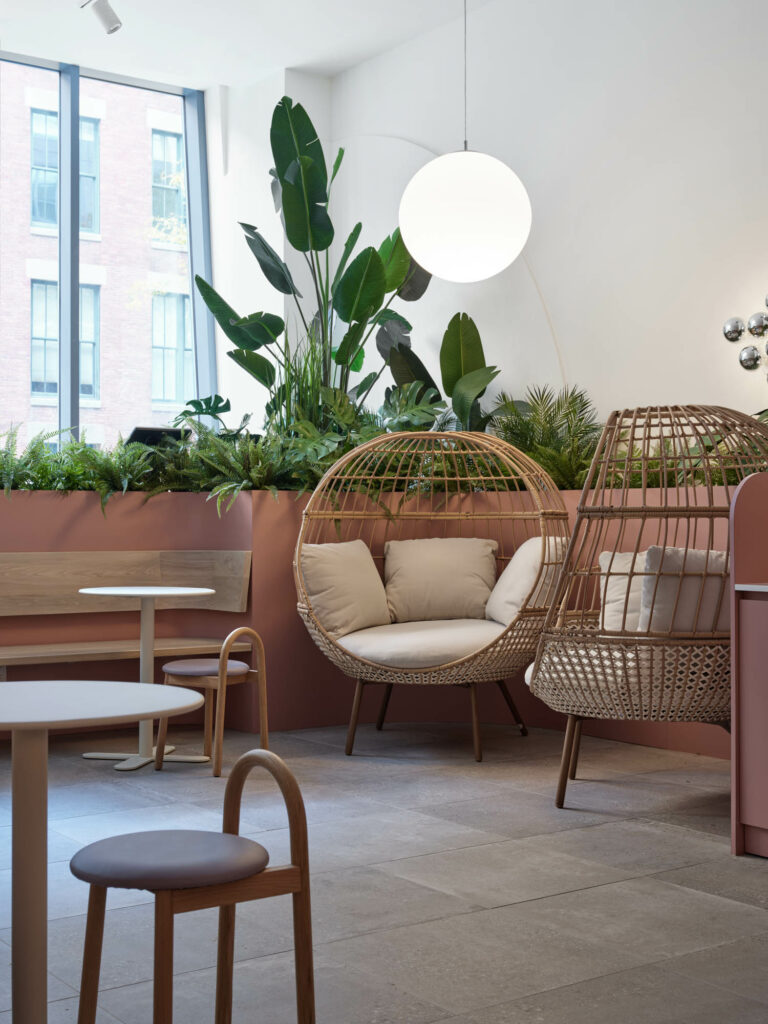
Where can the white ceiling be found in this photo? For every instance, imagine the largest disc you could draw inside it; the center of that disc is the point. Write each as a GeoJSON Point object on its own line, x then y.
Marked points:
{"type": "Point", "coordinates": [198, 43]}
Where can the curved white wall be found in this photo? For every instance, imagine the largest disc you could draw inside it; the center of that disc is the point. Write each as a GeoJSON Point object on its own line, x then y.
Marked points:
{"type": "Point", "coordinates": [638, 129]}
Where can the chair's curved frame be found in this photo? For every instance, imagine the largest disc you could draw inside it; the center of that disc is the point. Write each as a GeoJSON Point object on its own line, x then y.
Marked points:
{"type": "Point", "coordinates": [427, 483]}
{"type": "Point", "coordinates": [213, 735]}
{"type": "Point", "coordinates": [281, 880]}
{"type": "Point", "coordinates": [660, 476]}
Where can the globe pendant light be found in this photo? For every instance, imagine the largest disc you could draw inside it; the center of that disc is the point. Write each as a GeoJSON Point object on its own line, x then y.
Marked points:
{"type": "Point", "coordinates": [465, 216]}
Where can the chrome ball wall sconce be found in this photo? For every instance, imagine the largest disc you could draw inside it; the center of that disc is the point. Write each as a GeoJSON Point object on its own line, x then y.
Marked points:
{"type": "Point", "coordinates": [750, 357]}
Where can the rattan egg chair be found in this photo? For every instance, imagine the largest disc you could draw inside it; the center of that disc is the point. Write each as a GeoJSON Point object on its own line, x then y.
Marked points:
{"type": "Point", "coordinates": [418, 485]}
{"type": "Point", "coordinates": [639, 629]}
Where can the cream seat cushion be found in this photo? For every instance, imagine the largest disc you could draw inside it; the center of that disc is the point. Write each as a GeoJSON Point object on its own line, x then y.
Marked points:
{"type": "Point", "coordinates": [619, 591]}
{"type": "Point", "coordinates": [439, 578]}
{"type": "Point", "coordinates": [676, 602]}
{"type": "Point", "coordinates": [344, 586]}
{"type": "Point", "coordinates": [421, 644]}
{"type": "Point", "coordinates": [515, 584]}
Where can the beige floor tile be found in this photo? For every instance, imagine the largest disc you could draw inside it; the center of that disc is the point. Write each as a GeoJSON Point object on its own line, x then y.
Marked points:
{"type": "Point", "coordinates": [744, 879]}
{"type": "Point", "coordinates": [740, 966]}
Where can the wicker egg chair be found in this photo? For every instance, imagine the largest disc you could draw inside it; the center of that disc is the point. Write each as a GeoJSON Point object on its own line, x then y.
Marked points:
{"type": "Point", "coordinates": [639, 629]}
{"type": "Point", "coordinates": [415, 485]}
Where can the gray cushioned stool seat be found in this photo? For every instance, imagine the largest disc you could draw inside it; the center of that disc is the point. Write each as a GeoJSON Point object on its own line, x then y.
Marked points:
{"type": "Point", "coordinates": [204, 667]}
{"type": "Point", "coordinates": [169, 859]}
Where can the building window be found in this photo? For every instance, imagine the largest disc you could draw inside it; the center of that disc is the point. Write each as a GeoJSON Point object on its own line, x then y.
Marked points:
{"type": "Point", "coordinates": [173, 360]}
{"type": "Point", "coordinates": [45, 339]}
{"type": "Point", "coordinates": [169, 200]}
{"type": "Point", "coordinates": [45, 171]}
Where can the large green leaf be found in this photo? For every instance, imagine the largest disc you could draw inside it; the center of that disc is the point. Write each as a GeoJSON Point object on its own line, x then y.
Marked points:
{"type": "Point", "coordinates": [396, 260]}
{"type": "Point", "coordinates": [256, 365]}
{"type": "Point", "coordinates": [362, 386]}
{"type": "Point", "coordinates": [385, 315]}
{"type": "Point", "coordinates": [349, 245]}
{"type": "Point", "coordinates": [337, 163]}
{"type": "Point", "coordinates": [262, 328]}
{"type": "Point", "coordinates": [391, 333]}
{"type": "Point", "coordinates": [416, 281]}
{"type": "Point", "coordinates": [273, 268]}
{"type": "Point", "coordinates": [350, 343]}
{"type": "Point", "coordinates": [292, 135]}
{"type": "Point", "coordinates": [225, 316]}
{"type": "Point", "coordinates": [360, 292]}
{"type": "Point", "coordinates": [305, 213]}
{"type": "Point", "coordinates": [406, 368]}
{"type": "Point", "coordinates": [468, 390]}
{"type": "Point", "coordinates": [461, 351]}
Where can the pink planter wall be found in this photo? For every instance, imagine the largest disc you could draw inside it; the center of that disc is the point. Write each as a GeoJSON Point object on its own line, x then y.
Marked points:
{"type": "Point", "coordinates": [305, 689]}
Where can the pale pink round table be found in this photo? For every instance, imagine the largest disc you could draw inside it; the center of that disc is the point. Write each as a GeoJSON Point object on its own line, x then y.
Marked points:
{"type": "Point", "coordinates": [147, 595]}
{"type": "Point", "coordinates": [29, 709]}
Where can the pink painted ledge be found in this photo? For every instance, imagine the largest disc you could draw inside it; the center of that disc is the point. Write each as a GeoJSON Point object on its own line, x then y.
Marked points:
{"type": "Point", "coordinates": [305, 689]}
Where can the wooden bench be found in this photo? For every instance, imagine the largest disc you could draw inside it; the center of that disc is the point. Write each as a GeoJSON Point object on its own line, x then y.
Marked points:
{"type": "Point", "coordinates": [47, 583]}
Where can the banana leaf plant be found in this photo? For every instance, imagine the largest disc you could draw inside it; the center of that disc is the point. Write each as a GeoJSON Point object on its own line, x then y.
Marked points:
{"type": "Point", "coordinates": [465, 376]}
{"type": "Point", "coordinates": [347, 303]}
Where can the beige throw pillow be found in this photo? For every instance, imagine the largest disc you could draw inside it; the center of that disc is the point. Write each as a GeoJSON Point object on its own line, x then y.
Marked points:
{"type": "Point", "coordinates": [517, 581]}
{"type": "Point", "coordinates": [619, 590]}
{"type": "Point", "coordinates": [683, 603]}
{"type": "Point", "coordinates": [439, 578]}
{"type": "Point", "coordinates": [344, 586]}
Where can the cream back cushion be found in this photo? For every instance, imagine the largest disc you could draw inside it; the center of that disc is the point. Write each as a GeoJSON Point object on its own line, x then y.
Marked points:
{"type": "Point", "coordinates": [620, 592]}
{"type": "Point", "coordinates": [675, 602]}
{"type": "Point", "coordinates": [517, 581]}
{"type": "Point", "coordinates": [344, 586]}
{"type": "Point", "coordinates": [439, 578]}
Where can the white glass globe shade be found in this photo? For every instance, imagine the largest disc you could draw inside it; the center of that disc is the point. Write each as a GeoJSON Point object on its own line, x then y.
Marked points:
{"type": "Point", "coordinates": [465, 216]}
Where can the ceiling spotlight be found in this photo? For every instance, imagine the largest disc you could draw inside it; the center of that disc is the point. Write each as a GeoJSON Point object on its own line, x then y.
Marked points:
{"type": "Point", "coordinates": [103, 11]}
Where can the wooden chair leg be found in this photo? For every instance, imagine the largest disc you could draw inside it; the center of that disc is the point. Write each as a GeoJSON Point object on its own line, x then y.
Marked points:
{"type": "Point", "coordinates": [163, 990]}
{"type": "Point", "coordinates": [94, 934]}
{"type": "Point", "coordinates": [475, 722]}
{"type": "Point", "coordinates": [162, 733]}
{"type": "Point", "coordinates": [208, 727]}
{"type": "Point", "coordinates": [354, 717]}
{"type": "Point", "coordinates": [302, 940]}
{"type": "Point", "coordinates": [575, 751]}
{"type": "Point", "coordinates": [565, 761]}
{"type": "Point", "coordinates": [512, 707]}
{"type": "Point", "coordinates": [384, 706]}
{"type": "Point", "coordinates": [218, 735]}
{"type": "Point", "coordinates": [225, 964]}
{"type": "Point", "coordinates": [261, 682]}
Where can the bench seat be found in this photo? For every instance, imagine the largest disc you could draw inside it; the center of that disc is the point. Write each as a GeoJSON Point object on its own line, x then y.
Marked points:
{"type": "Point", "coordinates": [110, 650]}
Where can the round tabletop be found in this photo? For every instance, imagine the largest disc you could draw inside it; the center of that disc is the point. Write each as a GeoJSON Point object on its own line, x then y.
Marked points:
{"type": "Point", "coordinates": [59, 703]}
{"type": "Point", "coordinates": [147, 591]}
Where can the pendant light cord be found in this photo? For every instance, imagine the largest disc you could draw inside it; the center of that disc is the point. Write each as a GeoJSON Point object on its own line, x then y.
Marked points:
{"type": "Point", "coordinates": [465, 76]}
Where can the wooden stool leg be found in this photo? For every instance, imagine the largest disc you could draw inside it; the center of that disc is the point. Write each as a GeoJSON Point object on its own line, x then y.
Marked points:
{"type": "Point", "coordinates": [218, 738]}
{"type": "Point", "coordinates": [94, 934]}
{"type": "Point", "coordinates": [225, 962]}
{"type": "Point", "coordinates": [575, 751]}
{"type": "Point", "coordinates": [208, 728]}
{"type": "Point", "coordinates": [475, 722]}
{"type": "Point", "coordinates": [163, 994]}
{"type": "Point", "coordinates": [162, 732]}
{"type": "Point", "coordinates": [384, 706]}
{"type": "Point", "coordinates": [354, 717]}
{"type": "Point", "coordinates": [512, 707]}
{"type": "Point", "coordinates": [261, 668]}
{"type": "Point", "coordinates": [565, 761]}
{"type": "Point", "coordinates": [302, 941]}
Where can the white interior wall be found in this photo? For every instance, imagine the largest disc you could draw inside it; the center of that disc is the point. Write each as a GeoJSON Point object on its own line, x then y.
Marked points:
{"type": "Point", "coordinates": [637, 129]}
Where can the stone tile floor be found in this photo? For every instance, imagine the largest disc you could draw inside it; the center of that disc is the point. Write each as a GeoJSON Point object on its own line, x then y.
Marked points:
{"type": "Point", "coordinates": [443, 890]}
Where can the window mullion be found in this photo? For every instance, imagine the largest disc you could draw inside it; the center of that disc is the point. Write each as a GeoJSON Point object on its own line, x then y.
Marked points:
{"type": "Point", "coordinates": [69, 251]}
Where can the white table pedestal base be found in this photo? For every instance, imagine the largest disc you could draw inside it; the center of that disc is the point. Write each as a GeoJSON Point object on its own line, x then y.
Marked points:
{"type": "Point", "coordinates": [129, 761]}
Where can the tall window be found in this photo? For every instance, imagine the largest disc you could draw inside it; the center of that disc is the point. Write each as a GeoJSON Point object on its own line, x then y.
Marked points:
{"type": "Point", "coordinates": [173, 363]}
{"type": "Point", "coordinates": [45, 339]}
{"type": "Point", "coordinates": [45, 170]}
{"type": "Point", "coordinates": [169, 202]}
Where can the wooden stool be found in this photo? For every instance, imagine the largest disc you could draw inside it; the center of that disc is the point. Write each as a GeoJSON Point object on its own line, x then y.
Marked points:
{"type": "Point", "coordinates": [216, 674]}
{"type": "Point", "coordinates": [194, 870]}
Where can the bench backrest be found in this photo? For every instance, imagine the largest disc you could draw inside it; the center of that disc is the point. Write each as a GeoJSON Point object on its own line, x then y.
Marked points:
{"type": "Point", "coordinates": [47, 582]}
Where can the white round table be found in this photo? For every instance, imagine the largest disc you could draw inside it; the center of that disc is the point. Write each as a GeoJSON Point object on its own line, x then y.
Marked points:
{"type": "Point", "coordinates": [147, 595]}
{"type": "Point", "coordinates": [29, 710]}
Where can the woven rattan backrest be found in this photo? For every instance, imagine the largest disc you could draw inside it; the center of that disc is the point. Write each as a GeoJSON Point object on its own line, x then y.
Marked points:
{"type": "Point", "coordinates": [664, 477]}
{"type": "Point", "coordinates": [426, 484]}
